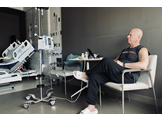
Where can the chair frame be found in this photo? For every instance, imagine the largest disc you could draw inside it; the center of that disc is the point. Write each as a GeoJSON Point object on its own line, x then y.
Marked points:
{"type": "Point", "coordinates": [64, 74]}
{"type": "Point", "coordinates": [133, 70]}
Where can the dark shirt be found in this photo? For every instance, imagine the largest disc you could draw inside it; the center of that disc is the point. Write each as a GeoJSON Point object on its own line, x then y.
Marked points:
{"type": "Point", "coordinates": [130, 55]}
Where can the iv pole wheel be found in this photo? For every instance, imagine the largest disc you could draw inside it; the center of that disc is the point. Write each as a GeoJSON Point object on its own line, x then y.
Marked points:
{"type": "Point", "coordinates": [26, 105]}
{"type": "Point", "coordinates": [52, 102]}
{"type": "Point", "coordinates": [28, 97]}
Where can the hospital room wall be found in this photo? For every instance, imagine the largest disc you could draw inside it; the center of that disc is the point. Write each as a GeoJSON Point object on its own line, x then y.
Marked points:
{"type": "Point", "coordinates": [12, 22]}
{"type": "Point", "coordinates": [5, 36]}
{"type": "Point", "coordinates": [104, 30]}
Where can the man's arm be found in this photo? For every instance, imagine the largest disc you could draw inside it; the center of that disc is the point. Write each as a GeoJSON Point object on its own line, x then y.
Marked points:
{"type": "Point", "coordinates": [117, 58]}
{"type": "Point", "coordinates": [141, 64]}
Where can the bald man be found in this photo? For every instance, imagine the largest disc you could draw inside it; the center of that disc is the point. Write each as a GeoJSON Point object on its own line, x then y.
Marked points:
{"type": "Point", "coordinates": [134, 57]}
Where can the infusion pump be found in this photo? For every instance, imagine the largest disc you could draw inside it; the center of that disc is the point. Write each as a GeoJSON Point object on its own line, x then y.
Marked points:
{"type": "Point", "coordinates": [45, 43]}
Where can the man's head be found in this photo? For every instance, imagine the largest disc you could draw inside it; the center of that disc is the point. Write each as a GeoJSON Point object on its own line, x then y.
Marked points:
{"type": "Point", "coordinates": [134, 37]}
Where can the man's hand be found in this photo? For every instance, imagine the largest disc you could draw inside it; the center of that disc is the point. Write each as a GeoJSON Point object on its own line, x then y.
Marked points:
{"type": "Point", "coordinates": [119, 62]}
{"type": "Point", "coordinates": [141, 64]}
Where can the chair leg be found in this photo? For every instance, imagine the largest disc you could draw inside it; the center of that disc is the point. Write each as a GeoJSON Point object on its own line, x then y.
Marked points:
{"type": "Point", "coordinates": [155, 99]}
{"type": "Point", "coordinates": [153, 92]}
{"type": "Point", "coordinates": [123, 101]}
{"type": "Point", "coordinates": [65, 84]}
{"type": "Point", "coordinates": [100, 103]}
{"type": "Point", "coordinates": [128, 96]}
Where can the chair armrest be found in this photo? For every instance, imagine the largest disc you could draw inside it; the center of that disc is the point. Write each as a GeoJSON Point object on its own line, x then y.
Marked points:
{"type": "Point", "coordinates": [134, 70]}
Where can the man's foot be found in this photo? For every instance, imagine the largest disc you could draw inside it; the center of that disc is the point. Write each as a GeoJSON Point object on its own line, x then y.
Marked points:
{"type": "Point", "coordinates": [84, 76]}
{"type": "Point", "coordinates": [89, 110]}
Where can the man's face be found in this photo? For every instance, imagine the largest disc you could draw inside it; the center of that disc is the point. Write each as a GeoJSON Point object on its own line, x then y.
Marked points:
{"type": "Point", "coordinates": [132, 37]}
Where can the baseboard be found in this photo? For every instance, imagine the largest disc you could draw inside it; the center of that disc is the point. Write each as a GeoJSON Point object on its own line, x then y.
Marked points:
{"type": "Point", "coordinates": [136, 97]}
{"type": "Point", "coordinates": [145, 99]}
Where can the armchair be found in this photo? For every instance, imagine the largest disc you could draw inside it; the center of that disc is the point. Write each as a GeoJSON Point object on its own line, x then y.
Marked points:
{"type": "Point", "coordinates": [145, 81]}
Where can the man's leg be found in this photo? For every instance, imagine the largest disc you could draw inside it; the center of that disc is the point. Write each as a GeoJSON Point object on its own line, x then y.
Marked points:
{"type": "Point", "coordinates": [107, 70]}
{"type": "Point", "coordinates": [93, 87]}
{"type": "Point", "coordinates": [94, 81]}
{"type": "Point", "coordinates": [112, 70]}
{"type": "Point", "coordinates": [101, 67]}
{"type": "Point", "coordinates": [109, 67]}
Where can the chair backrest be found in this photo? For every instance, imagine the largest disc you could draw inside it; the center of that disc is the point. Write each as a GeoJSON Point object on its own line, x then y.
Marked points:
{"type": "Point", "coordinates": [144, 76]}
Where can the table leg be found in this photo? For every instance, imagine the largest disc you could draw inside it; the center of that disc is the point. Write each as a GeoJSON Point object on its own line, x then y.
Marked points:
{"type": "Point", "coordinates": [87, 65]}
{"type": "Point", "coordinates": [83, 70]}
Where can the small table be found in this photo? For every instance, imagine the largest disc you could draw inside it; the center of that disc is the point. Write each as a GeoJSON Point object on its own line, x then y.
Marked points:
{"type": "Point", "coordinates": [86, 60]}
{"type": "Point", "coordinates": [81, 61]}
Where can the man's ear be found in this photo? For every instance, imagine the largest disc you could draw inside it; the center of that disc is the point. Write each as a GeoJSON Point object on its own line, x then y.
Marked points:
{"type": "Point", "coordinates": [139, 37]}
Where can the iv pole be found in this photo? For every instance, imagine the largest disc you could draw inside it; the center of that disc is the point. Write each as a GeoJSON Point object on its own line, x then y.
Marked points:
{"type": "Point", "coordinates": [40, 57]}
{"type": "Point", "coordinates": [47, 98]}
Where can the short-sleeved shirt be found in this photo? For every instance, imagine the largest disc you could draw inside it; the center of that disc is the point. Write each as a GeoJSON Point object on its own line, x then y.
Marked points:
{"type": "Point", "coordinates": [130, 55]}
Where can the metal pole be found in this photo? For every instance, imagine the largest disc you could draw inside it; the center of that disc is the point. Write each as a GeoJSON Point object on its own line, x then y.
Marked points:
{"type": "Point", "coordinates": [123, 93]}
{"type": "Point", "coordinates": [153, 92]}
{"type": "Point", "coordinates": [40, 57]}
{"type": "Point", "coordinates": [39, 20]}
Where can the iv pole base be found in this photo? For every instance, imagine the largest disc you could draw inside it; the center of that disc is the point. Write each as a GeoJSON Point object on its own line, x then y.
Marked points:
{"type": "Point", "coordinates": [37, 100]}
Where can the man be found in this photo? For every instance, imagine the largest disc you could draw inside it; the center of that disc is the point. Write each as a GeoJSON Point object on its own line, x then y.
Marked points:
{"type": "Point", "coordinates": [108, 70]}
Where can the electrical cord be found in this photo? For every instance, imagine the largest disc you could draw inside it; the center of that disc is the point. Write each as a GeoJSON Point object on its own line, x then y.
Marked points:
{"type": "Point", "coordinates": [67, 81]}
{"type": "Point", "coordinates": [68, 99]}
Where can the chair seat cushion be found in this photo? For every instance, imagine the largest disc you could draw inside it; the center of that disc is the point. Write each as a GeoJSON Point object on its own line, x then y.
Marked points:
{"type": "Point", "coordinates": [62, 72]}
{"type": "Point", "coordinates": [127, 87]}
